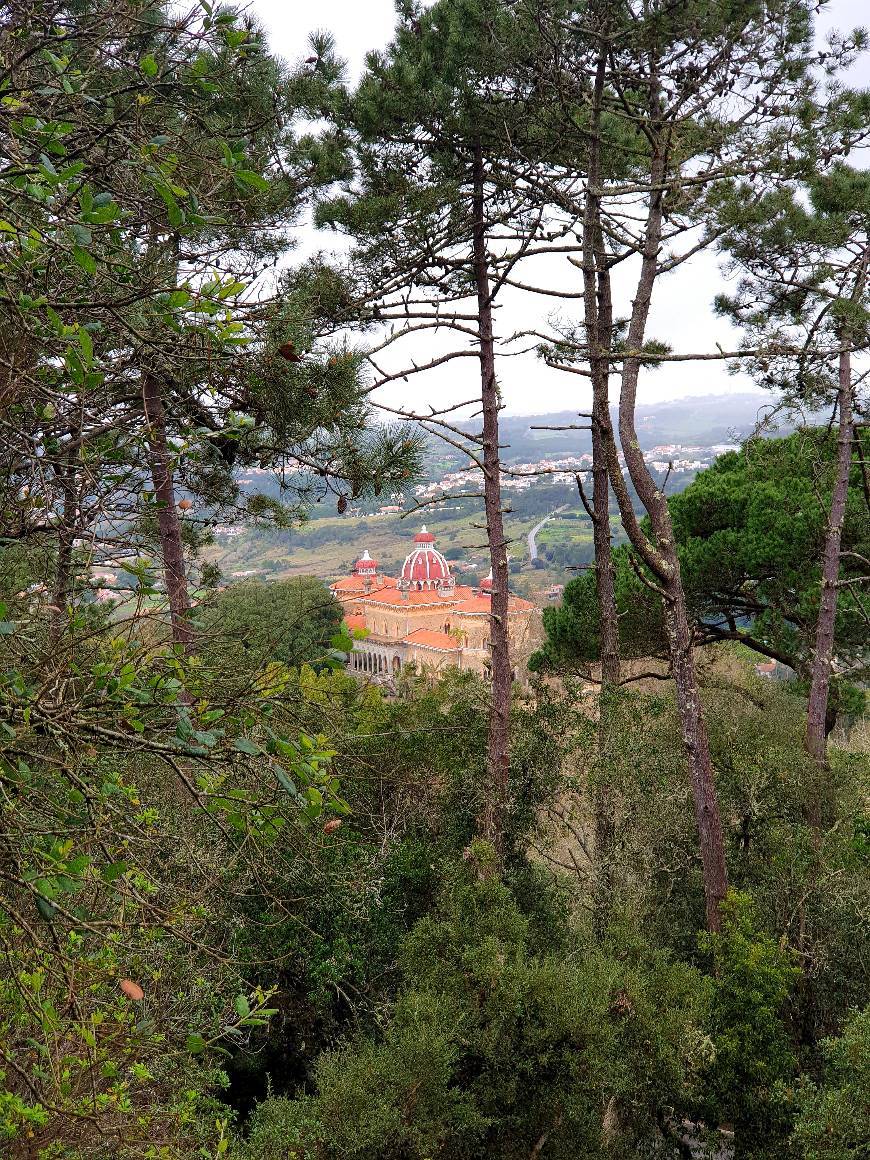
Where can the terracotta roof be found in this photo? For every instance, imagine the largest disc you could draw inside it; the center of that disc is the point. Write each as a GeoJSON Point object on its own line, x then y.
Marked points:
{"type": "Point", "coordinates": [355, 622]}
{"type": "Point", "coordinates": [431, 597]}
{"type": "Point", "coordinates": [476, 605]}
{"type": "Point", "coordinates": [481, 605]}
{"type": "Point", "coordinates": [428, 638]}
{"type": "Point", "coordinates": [354, 584]}
{"type": "Point", "coordinates": [518, 604]}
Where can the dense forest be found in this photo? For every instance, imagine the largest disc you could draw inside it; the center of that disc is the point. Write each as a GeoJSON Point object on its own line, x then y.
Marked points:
{"type": "Point", "coordinates": [252, 906]}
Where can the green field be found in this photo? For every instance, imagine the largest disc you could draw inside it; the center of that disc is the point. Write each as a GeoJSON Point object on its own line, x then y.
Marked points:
{"type": "Point", "coordinates": [341, 539]}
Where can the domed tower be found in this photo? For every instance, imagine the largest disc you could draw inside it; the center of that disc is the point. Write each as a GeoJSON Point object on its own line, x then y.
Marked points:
{"type": "Point", "coordinates": [365, 565]}
{"type": "Point", "coordinates": [486, 585]}
{"type": "Point", "coordinates": [425, 568]}
{"type": "Point", "coordinates": [366, 570]}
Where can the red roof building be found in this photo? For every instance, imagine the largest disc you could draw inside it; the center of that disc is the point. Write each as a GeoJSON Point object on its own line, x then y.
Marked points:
{"type": "Point", "coordinates": [424, 619]}
{"type": "Point", "coordinates": [426, 638]}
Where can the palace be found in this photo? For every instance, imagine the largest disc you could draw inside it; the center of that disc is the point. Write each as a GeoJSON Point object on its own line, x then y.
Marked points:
{"type": "Point", "coordinates": [425, 619]}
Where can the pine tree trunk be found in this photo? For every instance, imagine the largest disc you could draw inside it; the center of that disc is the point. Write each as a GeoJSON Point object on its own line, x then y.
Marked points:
{"type": "Point", "coordinates": [660, 555]}
{"type": "Point", "coordinates": [168, 523]}
{"type": "Point", "coordinates": [498, 741]}
{"type": "Point", "coordinates": [598, 314]}
{"type": "Point", "coordinates": [697, 746]}
{"type": "Point", "coordinates": [823, 654]}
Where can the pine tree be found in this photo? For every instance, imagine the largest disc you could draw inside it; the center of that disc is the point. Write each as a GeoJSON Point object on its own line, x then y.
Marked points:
{"type": "Point", "coordinates": [440, 224]}
{"type": "Point", "coordinates": [710, 94]}
{"type": "Point", "coordinates": [804, 253]}
{"type": "Point", "coordinates": [148, 204]}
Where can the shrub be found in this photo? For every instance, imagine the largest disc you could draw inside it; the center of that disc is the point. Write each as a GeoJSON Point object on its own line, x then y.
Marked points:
{"type": "Point", "coordinates": [753, 976]}
{"type": "Point", "coordinates": [499, 1043]}
{"type": "Point", "coordinates": [834, 1119]}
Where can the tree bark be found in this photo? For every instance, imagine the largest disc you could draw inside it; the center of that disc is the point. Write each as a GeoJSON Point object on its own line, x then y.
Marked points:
{"type": "Point", "coordinates": [660, 553]}
{"type": "Point", "coordinates": [598, 313]}
{"type": "Point", "coordinates": [168, 523]}
{"type": "Point", "coordinates": [498, 740]}
{"type": "Point", "coordinates": [697, 746]}
{"type": "Point", "coordinates": [823, 654]}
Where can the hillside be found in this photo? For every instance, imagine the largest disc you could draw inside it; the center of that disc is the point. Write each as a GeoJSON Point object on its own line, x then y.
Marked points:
{"type": "Point", "coordinates": [326, 546]}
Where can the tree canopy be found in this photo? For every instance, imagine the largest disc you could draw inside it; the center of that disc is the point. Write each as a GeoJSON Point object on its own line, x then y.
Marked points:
{"type": "Point", "coordinates": [749, 532]}
{"type": "Point", "coordinates": [292, 621]}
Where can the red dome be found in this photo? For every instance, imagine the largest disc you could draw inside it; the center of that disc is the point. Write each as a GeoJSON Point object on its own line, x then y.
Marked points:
{"type": "Point", "coordinates": [424, 566]}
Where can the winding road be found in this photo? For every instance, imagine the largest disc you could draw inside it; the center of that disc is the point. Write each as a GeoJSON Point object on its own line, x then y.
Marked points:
{"type": "Point", "coordinates": [533, 547]}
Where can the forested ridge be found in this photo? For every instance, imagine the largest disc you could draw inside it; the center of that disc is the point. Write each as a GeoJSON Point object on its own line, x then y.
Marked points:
{"type": "Point", "coordinates": [253, 906]}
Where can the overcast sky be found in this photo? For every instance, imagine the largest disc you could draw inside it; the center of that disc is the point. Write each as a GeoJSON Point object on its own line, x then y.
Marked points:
{"type": "Point", "coordinates": [681, 314]}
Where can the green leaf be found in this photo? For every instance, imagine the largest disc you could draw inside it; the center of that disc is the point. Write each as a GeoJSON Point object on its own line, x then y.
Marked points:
{"type": "Point", "coordinates": [113, 871]}
{"type": "Point", "coordinates": [148, 65]}
{"type": "Point", "coordinates": [249, 177]}
{"type": "Point", "coordinates": [87, 346]}
{"type": "Point", "coordinates": [84, 259]}
{"type": "Point", "coordinates": [175, 214]}
{"type": "Point", "coordinates": [286, 782]}
{"type": "Point", "coordinates": [7, 627]}
{"type": "Point", "coordinates": [47, 909]}
{"type": "Point", "coordinates": [243, 1007]}
{"type": "Point", "coordinates": [71, 171]}
{"type": "Point", "coordinates": [81, 234]}
{"type": "Point", "coordinates": [195, 1044]}
{"type": "Point", "coordinates": [184, 729]}
{"type": "Point", "coordinates": [243, 745]}
{"type": "Point", "coordinates": [101, 217]}
{"type": "Point", "coordinates": [315, 797]}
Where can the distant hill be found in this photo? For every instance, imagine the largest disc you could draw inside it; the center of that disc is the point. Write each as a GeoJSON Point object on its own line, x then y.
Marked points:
{"type": "Point", "coordinates": [701, 420]}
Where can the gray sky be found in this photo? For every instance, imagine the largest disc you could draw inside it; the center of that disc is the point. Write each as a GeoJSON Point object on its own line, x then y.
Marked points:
{"type": "Point", "coordinates": [681, 314]}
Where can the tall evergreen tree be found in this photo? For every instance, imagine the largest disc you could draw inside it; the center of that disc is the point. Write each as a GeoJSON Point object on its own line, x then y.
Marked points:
{"type": "Point", "coordinates": [711, 94]}
{"type": "Point", "coordinates": [440, 226]}
{"type": "Point", "coordinates": [750, 531]}
{"type": "Point", "coordinates": [803, 303]}
{"type": "Point", "coordinates": [154, 191]}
